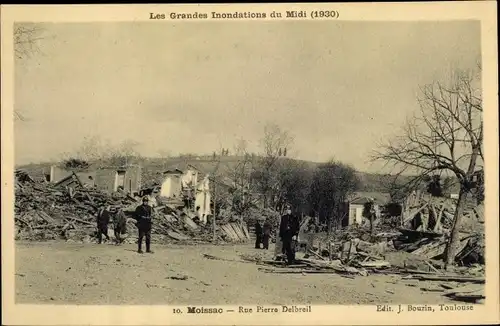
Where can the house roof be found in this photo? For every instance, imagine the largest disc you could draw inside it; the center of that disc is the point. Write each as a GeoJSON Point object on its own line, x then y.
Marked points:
{"type": "Point", "coordinates": [180, 167]}
{"type": "Point", "coordinates": [363, 197]}
{"type": "Point", "coordinates": [173, 171]}
{"type": "Point", "coordinates": [97, 166]}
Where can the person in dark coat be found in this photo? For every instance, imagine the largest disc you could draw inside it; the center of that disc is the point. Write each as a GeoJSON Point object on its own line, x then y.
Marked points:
{"type": "Point", "coordinates": [266, 234]}
{"type": "Point", "coordinates": [258, 234]}
{"type": "Point", "coordinates": [120, 225]}
{"type": "Point", "coordinates": [289, 229]}
{"type": "Point", "coordinates": [103, 217]}
{"type": "Point", "coordinates": [143, 215]}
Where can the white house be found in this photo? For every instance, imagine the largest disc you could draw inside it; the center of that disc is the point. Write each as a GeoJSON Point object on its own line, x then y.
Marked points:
{"type": "Point", "coordinates": [189, 178]}
{"type": "Point", "coordinates": [356, 204]}
{"type": "Point", "coordinates": [171, 186]}
{"type": "Point", "coordinates": [178, 179]}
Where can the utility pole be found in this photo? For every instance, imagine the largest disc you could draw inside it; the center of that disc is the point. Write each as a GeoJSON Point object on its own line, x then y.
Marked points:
{"type": "Point", "coordinates": [214, 213]}
{"type": "Point", "coordinates": [214, 175]}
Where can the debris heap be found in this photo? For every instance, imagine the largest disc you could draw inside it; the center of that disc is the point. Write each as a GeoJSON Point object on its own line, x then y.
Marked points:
{"type": "Point", "coordinates": [414, 250]}
{"type": "Point", "coordinates": [67, 210]}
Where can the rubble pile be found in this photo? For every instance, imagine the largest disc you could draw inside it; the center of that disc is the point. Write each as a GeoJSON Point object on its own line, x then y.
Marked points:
{"type": "Point", "coordinates": [426, 224]}
{"type": "Point", "coordinates": [45, 212]}
{"type": "Point", "coordinates": [349, 256]}
{"type": "Point", "coordinates": [68, 211]}
{"type": "Point", "coordinates": [414, 251]}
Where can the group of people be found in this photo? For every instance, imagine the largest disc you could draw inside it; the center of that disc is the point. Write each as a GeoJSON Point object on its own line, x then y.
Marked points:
{"type": "Point", "coordinates": [143, 215]}
{"type": "Point", "coordinates": [288, 233]}
{"type": "Point", "coordinates": [288, 229]}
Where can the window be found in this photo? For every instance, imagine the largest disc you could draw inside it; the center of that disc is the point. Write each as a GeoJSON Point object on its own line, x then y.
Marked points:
{"type": "Point", "coordinates": [120, 179]}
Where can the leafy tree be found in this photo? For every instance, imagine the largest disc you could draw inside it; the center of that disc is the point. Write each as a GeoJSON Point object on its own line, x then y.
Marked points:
{"type": "Point", "coordinates": [332, 183]}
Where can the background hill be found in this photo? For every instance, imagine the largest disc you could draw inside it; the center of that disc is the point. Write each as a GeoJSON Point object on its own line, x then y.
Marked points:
{"type": "Point", "coordinates": [153, 168]}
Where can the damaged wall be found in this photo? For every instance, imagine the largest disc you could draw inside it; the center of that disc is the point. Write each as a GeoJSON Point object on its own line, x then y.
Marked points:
{"type": "Point", "coordinates": [105, 179]}
{"type": "Point", "coordinates": [86, 177]}
{"type": "Point", "coordinates": [132, 179]}
{"type": "Point", "coordinates": [171, 186]}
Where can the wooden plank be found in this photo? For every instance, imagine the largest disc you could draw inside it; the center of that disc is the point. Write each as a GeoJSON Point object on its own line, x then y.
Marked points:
{"type": "Point", "coordinates": [81, 221]}
{"type": "Point", "coordinates": [47, 218]}
{"type": "Point", "coordinates": [425, 222]}
{"type": "Point", "coordinates": [233, 233]}
{"type": "Point", "coordinates": [189, 222]}
{"type": "Point", "coordinates": [438, 226]}
{"type": "Point", "coordinates": [431, 250]}
{"type": "Point", "coordinates": [431, 267]}
{"type": "Point", "coordinates": [230, 232]}
{"type": "Point", "coordinates": [375, 264]}
{"type": "Point", "coordinates": [170, 218]}
{"type": "Point", "coordinates": [413, 213]}
{"type": "Point", "coordinates": [237, 230]}
{"type": "Point", "coordinates": [316, 254]}
{"type": "Point", "coordinates": [479, 211]}
{"type": "Point", "coordinates": [469, 288]}
{"type": "Point", "coordinates": [226, 232]}
{"type": "Point", "coordinates": [242, 233]}
{"type": "Point", "coordinates": [441, 210]}
{"type": "Point", "coordinates": [177, 235]}
{"type": "Point", "coordinates": [245, 230]}
{"type": "Point", "coordinates": [451, 278]}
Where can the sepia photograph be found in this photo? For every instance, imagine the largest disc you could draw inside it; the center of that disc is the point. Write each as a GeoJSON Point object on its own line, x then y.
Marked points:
{"type": "Point", "coordinates": [267, 164]}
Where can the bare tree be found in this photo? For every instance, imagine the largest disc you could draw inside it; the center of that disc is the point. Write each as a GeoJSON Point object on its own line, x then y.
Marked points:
{"type": "Point", "coordinates": [92, 149]}
{"type": "Point", "coordinates": [446, 136]}
{"type": "Point", "coordinates": [240, 175]}
{"type": "Point", "coordinates": [123, 154]}
{"type": "Point", "coordinates": [25, 39]}
{"type": "Point", "coordinates": [266, 173]}
{"type": "Point", "coordinates": [274, 139]}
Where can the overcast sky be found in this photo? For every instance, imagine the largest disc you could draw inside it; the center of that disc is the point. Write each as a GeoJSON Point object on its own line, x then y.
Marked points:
{"type": "Point", "coordinates": [338, 87]}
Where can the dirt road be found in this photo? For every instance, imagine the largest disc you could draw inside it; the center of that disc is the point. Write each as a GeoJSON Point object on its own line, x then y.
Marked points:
{"type": "Point", "coordinates": [64, 273]}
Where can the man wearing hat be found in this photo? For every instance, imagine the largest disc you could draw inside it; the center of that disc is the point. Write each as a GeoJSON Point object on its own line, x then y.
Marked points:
{"type": "Point", "coordinates": [143, 215]}
{"type": "Point", "coordinates": [289, 229]}
{"type": "Point", "coordinates": [258, 233]}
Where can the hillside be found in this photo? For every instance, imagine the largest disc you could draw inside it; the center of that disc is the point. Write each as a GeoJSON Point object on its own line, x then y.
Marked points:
{"type": "Point", "coordinates": [153, 168]}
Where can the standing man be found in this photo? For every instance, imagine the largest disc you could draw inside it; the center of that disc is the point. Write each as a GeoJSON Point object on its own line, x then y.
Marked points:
{"type": "Point", "coordinates": [266, 234]}
{"type": "Point", "coordinates": [289, 229]}
{"type": "Point", "coordinates": [258, 234]}
{"type": "Point", "coordinates": [120, 225]}
{"type": "Point", "coordinates": [143, 215]}
{"type": "Point", "coordinates": [103, 217]}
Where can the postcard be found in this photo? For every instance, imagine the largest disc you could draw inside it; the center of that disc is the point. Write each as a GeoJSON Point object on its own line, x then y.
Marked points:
{"type": "Point", "coordinates": [250, 164]}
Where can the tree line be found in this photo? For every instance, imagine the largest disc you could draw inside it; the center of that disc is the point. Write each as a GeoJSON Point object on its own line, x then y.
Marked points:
{"type": "Point", "coordinates": [272, 178]}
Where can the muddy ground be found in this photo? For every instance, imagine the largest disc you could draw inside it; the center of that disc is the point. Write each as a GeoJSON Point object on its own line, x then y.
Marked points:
{"type": "Point", "coordinates": [69, 273]}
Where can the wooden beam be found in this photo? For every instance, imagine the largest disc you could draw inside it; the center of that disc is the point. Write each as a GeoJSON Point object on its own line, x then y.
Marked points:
{"type": "Point", "coordinates": [415, 212]}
